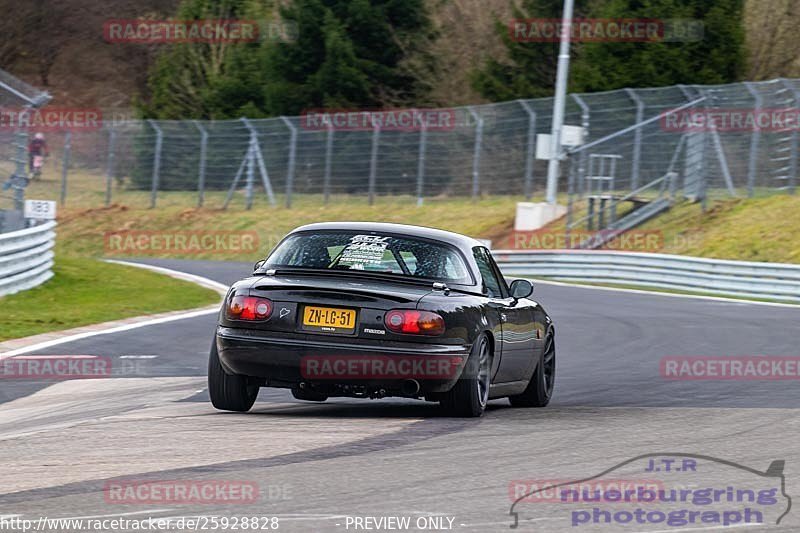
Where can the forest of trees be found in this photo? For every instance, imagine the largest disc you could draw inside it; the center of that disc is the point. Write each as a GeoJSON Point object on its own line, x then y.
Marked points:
{"type": "Point", "coordinates": [376, 54]}
{"type": "Point", "coordinates": [339, 53]}
{"type": "Point", "coordinates": [529, 70]}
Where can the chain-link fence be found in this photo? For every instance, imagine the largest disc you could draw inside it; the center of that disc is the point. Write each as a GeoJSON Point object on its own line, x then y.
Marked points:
{"type": "Point", "coordinates": [486, 150]}
{"type": "Point", "coordinates": [22, 98]}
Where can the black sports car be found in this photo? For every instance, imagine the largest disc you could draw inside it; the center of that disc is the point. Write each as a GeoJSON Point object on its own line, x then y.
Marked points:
{"type": "Point", "coordinates": [375, 310]}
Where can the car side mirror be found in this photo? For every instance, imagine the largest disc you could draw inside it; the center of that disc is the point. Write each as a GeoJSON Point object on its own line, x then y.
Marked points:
{"type": "Point", "coordinates": [521, 288]}
{"type": "Point", "coordinates": [259, 265]}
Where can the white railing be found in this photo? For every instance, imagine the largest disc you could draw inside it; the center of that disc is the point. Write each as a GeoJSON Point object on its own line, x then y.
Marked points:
{"type": "Point", "coordinates": [770, 281]}
{"type": "Point", "coordinates": [26, 258]}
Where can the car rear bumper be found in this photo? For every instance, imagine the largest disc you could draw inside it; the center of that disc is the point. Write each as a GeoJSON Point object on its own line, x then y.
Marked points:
{"type": "Point", "coordinates": [336, 367]}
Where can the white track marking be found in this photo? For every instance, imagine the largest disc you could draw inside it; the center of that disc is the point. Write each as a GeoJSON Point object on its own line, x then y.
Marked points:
{"type": "Point", "coordinates": [199, 280]}
{"type": "Point", "coordinates": [117, 329]}
{"type": "Point", "coordinates": [221, 288]}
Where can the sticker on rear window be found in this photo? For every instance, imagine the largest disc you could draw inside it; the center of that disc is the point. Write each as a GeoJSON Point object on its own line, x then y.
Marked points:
{"type": "Point", "coordinates": [364, 250]}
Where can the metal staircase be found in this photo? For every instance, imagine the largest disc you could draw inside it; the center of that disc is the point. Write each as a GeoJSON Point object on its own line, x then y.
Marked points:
{"type": "Point", "coordinates": [783, 147]}
{"type": "Point", "coordinates": [644, 209]}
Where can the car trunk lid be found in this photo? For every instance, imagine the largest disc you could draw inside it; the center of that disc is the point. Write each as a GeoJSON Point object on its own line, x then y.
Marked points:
{"type": "Point", "coordinates": [333, 305]}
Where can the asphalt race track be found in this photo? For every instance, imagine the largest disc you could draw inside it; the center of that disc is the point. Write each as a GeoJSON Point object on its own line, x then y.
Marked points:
{"type": "Point", "coordinates": [317, 466]}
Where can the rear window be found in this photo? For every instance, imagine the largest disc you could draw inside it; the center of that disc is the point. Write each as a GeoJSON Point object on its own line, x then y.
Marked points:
{"type": "Point", "coordinates": [386, 254]}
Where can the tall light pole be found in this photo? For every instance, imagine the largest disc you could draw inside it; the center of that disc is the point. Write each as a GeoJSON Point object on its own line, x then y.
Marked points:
{"type": "Point", "coordinates": [559, 102]}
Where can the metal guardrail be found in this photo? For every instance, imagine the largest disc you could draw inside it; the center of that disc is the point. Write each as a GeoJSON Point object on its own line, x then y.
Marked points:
{"type": "Point", "coordinates": [772, 281]}
{"type": "Point", "coordinates": [26, 258]}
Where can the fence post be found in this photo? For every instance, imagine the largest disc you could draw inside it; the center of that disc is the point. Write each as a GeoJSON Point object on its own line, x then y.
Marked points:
{"type": "Point", "coordinates": [637, 139]}
{"type": "Point", "coordinates": [326, 179]}
{"type": "Point", "coordinates": [423, 144]}
{"type": "Point", "coordinates": [250, 173]}
{"type": "Point", "coordinates": [795, 138]}
{"type": "Point", "coordinates": [156, 162]}
{"type": "Point", "coordinates": [585, 117]}
{"type": "Point", "coordinates": [570, 198]}
{"type": "Point", "coordinates": [112, 141]}
{"type": "Point", "coordinates": [755, 140]}
{"type": "Point", "coordinates": [530, 150]}
{"type": "Point", "coordinates": [708, 101]}
{"type": "Point", "coordinates": [19, 180]}
{"type": "Point", "coordinates": [476, 154]}
{"type": "Point", "coordinates": [238, 176]}
{"type": "Point", "coordinates": [21, 158]}
{"type": "Point", "coordinates": [373, 161]}
{"type": "Point", "coordinates": [254, 151]}
{"type": "Point", "coordinates": [703, 180]}
{"type": "Point", "coordinates": [694, 166]}
{"type": "Point", "coordinates": [723, 161]}
{"type": "Point", "coordinates": [292, 160]}
{"type": "Point", "coordinates": [201, 173]}
{"type": "Point", "coordinates": [65, 165]}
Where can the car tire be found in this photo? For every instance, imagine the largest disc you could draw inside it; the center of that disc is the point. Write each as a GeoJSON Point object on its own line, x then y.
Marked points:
{"type": "Point", "coordinates": [229, 392]}
{"type": "Point", "coordinates": [309, 396]}
{"type": "Point", "coordinates": [469, 395]}
{"type": "Point", "coordinates": [540, 388]}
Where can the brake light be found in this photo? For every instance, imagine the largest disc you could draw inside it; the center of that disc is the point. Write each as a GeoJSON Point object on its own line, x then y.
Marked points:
{"type": "Point", "coordinates": [249, 308]}
{"type": "Point", "coordinates": [414, 322]}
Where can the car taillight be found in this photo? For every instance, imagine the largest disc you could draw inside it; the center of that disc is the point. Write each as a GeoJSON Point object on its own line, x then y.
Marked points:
{"type": "Point", "coordinates": [414, 322]}
{"type": "Point", "coordinates": [249, 308]}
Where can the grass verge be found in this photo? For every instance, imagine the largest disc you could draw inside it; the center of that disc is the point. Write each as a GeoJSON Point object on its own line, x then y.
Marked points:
{"type": "Point", "coordinates": [82, 232]}
{"type": "Point", "coordinates": [85, 291]}
{"type": "Point", "coordinates": [758, 229]}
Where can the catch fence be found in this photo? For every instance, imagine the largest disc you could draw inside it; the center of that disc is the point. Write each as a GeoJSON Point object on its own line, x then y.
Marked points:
{"type": "Point", "coordinates": [488, 150]}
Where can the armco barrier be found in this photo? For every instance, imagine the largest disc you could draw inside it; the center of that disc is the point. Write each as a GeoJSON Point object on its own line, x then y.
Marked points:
{"type": "Point", "coordinates": [26, 258]}
{"type": "Point", "coordinates": [773, 281]}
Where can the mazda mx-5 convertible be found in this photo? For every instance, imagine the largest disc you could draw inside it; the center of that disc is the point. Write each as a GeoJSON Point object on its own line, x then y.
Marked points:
{"type": "Point", "coordinates": [377, 310]}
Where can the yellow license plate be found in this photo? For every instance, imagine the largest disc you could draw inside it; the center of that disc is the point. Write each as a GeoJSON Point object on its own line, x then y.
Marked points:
{"type": "Point", "coordinates": [329, 319]}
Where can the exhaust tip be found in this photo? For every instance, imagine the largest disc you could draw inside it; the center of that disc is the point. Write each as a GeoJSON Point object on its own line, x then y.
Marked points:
{"type": "Point", "coordinates": [410, 387]}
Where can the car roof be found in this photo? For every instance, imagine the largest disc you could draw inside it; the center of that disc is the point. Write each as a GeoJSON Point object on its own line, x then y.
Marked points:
{"type": "Point", "coordinates": [461, 241]}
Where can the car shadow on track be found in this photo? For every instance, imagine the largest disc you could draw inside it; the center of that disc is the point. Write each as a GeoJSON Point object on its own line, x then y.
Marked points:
{"type": "Point", "coordinates": [360, 409]}
{"type": "Point", "coordinates": [280, 402]}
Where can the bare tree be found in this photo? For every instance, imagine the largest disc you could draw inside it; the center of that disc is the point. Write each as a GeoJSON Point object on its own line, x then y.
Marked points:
{"type": "Point", "coordinates": [772, 34]}
{"type": "Point", "coordinates": [14, 30]}
{"type": "Point", "coordinates": [48, 35]}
